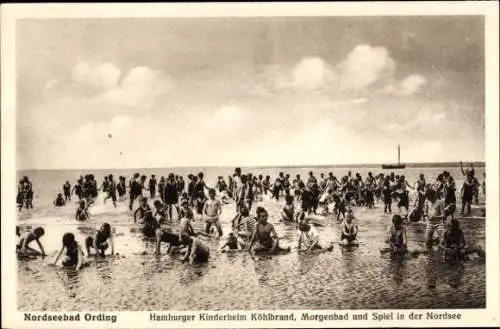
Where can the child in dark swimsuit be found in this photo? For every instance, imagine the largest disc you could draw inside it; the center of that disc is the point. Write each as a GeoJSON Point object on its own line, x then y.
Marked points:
{"type": "Point", "coordinates": [233, 243]}
{"type": "Point", "coordinates": [349, 229]}
{"type": "Point", "coordinates": [454, 245]}
{"type": "Point", "coordinates": [74, 253]}
{"type": "Point", "coordinates": [99, 241]}
{"type": "Point", "coordinates": [23, 247]}
{"type": "Point", "coordinates": [59, 202]}
{"type": "Point", "coordinates": [467, 194]}
{"type": "Point", "coordinates": [287, 213]}
{"type": "Point", "coordinates": [165, 235]}
{"type": "Point", "coordinates": [160, 213]}
{"type": "Point", "coordinates": [82, 213]}
{"type": "Point", "coordinates": [144, 215]}
{"type": "Point", "coordinates": [67, 191]}
{"type": "Point", "coordinates": [397, 236]}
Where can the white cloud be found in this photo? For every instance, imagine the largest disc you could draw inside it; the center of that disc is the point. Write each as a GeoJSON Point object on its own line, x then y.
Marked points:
{"type": "Point", "coordinates": [104, 75]}
{"type": "Point", "coordinates": [139, 88]}
{"type": "Point", "coordinates": [364, 66]}
{"type": "Point", "coordinates": [311, 73]}
{"type": "Point", "coordinates": [412, 84]}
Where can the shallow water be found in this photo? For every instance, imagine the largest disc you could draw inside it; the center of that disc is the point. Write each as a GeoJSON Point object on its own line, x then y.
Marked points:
{"type": "Point", "coordinates": [357, 278]}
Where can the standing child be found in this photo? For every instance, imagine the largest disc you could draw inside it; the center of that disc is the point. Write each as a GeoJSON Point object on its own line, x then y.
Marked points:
{"type": "Point", "coordinates": [467, 193]}
{"type": "Point", "coordinates": [212, 210]}
{"type": "Point", "coordinates": [82, 213]}
{"type": "Point", "coordinates": [67, 191]}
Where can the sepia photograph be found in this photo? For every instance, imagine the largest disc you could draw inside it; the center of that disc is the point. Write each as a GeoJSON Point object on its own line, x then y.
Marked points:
{"type": "Point", "coordinates": [250, 163]}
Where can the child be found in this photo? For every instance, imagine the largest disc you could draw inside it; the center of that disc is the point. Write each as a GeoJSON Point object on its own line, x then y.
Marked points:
{"type": "Point", "coordinates": [309, 236]}
{"type": "Point", "coordinates": [196, 251]}
{"type": "Point", "coordinates": [349, 229]}
{"type": "Point", "coordinates": [467, 194]}
{"type": "Point", "coordinates": [59, 202]}
{"type": "Point", "coordinates": [212, 210]}
{"type": "Point", "coordinates": [20, 195]}
{"type": "Point", "coordinates": [288, 210]}
{"type": "Point", "coordinates": [82, 213]}
{"type": "Point", "coordinates": [160, 214]}
{"type": "Point", "coordinates": [397, 236]}
{"type": "Point", "coordinates": [146, 218]}
{"type": "Point", "coordinates": [67, 191]}
{"type": "Point", "coordinates": [186, 211]}
{"type": "Point", "coordinates": [24, 241]}
{"type": "Point", "coordinates": [98, 241]}
{"type": "Point", "coordinates": [434, 213]}
{"type": "Point", "coordinates": [74, 252]}
{"type": "Point", "coordinates": [387, 193]}
{"type": "Point", "coordinates": [340, 205]}
{"type": "Point", "coordinates": [233, 243]}
{"type": "Point", "coordinates": [166, 235]}
{"type": "Point", "coordinates": [240, 218]}
{"type": "Point", "coordinates": [453, 243]}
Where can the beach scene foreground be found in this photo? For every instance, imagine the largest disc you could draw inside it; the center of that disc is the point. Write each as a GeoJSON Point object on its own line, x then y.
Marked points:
{"type": "Point", "coordinates": [136, 279]}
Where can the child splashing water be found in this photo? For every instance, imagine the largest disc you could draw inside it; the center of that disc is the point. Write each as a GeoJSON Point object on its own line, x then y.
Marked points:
{"type": "Point", "coordinates": [309, 237]}
{"type": "Point", "coordinates": [23, 247]}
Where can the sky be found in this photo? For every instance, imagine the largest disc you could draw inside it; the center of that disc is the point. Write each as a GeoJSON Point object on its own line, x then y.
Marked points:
{"type": "Point", "coordinates": [163, 92]}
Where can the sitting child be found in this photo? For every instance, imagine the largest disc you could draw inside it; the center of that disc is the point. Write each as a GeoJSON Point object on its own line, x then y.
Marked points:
{"type": "Point", "coordinates": [197, 250]}
{"type": "Point", "coordinates": [74, 252]}
{"type": "Point", "coordinates": [454, 245]}
{"type": "Point", "coordinates": [23, 247]}
{"type": "Point", "coordinates": [308, 235]}
{"type": "Point", "coordinates": [397, 236]}
{"type": "Point", "coordinates": [287, 213]}
{"type": "Point", "coordinates": [233, 243]}
{"type": "Point", "coordinates": [98, 241]}
{"type": "Point", "coordinates": [59, 202]}
{"type": "Point", "coordinates": [349, 229]}
{"type": "Point", "coordinates": [160, 214]}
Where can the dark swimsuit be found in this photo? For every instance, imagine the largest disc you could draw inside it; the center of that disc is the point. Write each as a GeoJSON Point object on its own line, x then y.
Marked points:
{"type": "Point", "coordinates": [349, 238]}
{"type": "Point", "coordinates": [100, 238]}
{"type": "Point", "coordinates": [72, 256]}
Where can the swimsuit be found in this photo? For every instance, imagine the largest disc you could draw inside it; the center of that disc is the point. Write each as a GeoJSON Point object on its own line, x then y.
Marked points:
{"type": "Point", "coordinates": [351, 237]}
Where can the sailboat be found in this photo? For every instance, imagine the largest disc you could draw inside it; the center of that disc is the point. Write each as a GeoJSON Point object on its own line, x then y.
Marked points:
{"type": "Point", "coordinates": [398, 165]}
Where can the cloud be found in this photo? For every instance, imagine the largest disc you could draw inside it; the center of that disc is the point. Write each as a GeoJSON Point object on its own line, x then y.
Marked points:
{"type": "Point", "coordinates": [311, 73]}
{"type": "Point", "coordinates": [104, 75]}
{"type": "Point", "coordinates": [409, 86]}
{"type": "Point", "coordinates": [364, 66]}
{"type": "Point", "coordinates": [139, 88]}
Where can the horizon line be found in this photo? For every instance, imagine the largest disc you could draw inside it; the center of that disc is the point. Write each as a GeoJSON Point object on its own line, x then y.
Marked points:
{"type": "Point", "coordinates": [411, 164]}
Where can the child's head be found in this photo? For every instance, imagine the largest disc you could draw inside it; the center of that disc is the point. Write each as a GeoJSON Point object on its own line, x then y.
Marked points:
{"type": "Point", "coordinates": [68, 240]}
{"type": "Point", "coordinates": [59, 195]}
{"type": "Point", "coordinates": [110, 177]}
{"type": "Point", "coordinates": [454, 225]}
{"type": "Point", "coordinates": [106, 228]}
{"type": "Point", "coordinates": [38, 232]}
{"type": "Point", "coordinates": [349, 216]}
{"type": "Point", "coordinates": [211, 193]}
{"type": "Point", "coordinates": [244, 211]}
{"type": "Point", "coordinates": [261, 215]}
{"type": "Point", "coordinates": [289, 199]}
{"type": "Point", "coordinates": [144, 201]}
{"type": "Point", "coordinates": [157, 204]}
{"type": "Point", "coordinates": [231, 236]}
{"type": "Point", "coordinates": [397, 221]}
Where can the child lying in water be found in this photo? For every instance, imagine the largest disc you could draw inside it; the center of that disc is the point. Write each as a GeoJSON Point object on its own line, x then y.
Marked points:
{"type": "Point", "coordinates": [233, 243]}
{"type": "Point", "coordinates": [23, 247]}
{"type": "Point", "coordinates": [74, 252]}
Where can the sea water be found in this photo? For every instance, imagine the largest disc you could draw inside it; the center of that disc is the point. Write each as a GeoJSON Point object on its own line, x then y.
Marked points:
{"type": "Point", "coordinates": [359, 278]}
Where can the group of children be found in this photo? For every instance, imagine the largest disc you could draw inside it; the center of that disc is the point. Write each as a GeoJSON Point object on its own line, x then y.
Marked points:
{"type": "Point", "coordinates": [434, 202]}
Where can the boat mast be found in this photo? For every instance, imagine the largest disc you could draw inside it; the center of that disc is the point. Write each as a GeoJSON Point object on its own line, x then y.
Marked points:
{"type": "Point", "coordinates": [398, 154]}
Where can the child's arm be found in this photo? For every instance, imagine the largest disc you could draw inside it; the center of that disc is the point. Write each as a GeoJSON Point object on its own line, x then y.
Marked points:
{"type": "Point", "coordinates": [94, 244]}
{"type": "Point", "coordinates": [405, 239]}
{"type": "Point", "coordinates": [355, 230]}
{"type": "Point", "coordinates": [252, 240]}
{"type": "Point", "coordinates": [158, 241]}
{"type": "Point", "coordinates": [224, 246]}
{"type": "Point", "coordinates": [274, 235]}
{"type": "Point", "coordinates": [135, 214]}
{"type": "Point", "coordinates": [80, 257]}
{"type": "Point", "coordinates": [300, 242]}
{"type": "Point", "coordinates": [58, 255]}
{"type": "Point", "coordinates": [41, 247]}
{"type": "Point", "coordinates": [112, 243]}
{"type": "Point", "coordinates": [344, 231]}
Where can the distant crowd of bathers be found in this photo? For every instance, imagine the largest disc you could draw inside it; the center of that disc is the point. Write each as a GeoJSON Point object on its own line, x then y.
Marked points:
{"type": "Point", "coordinates": [435, 204]}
